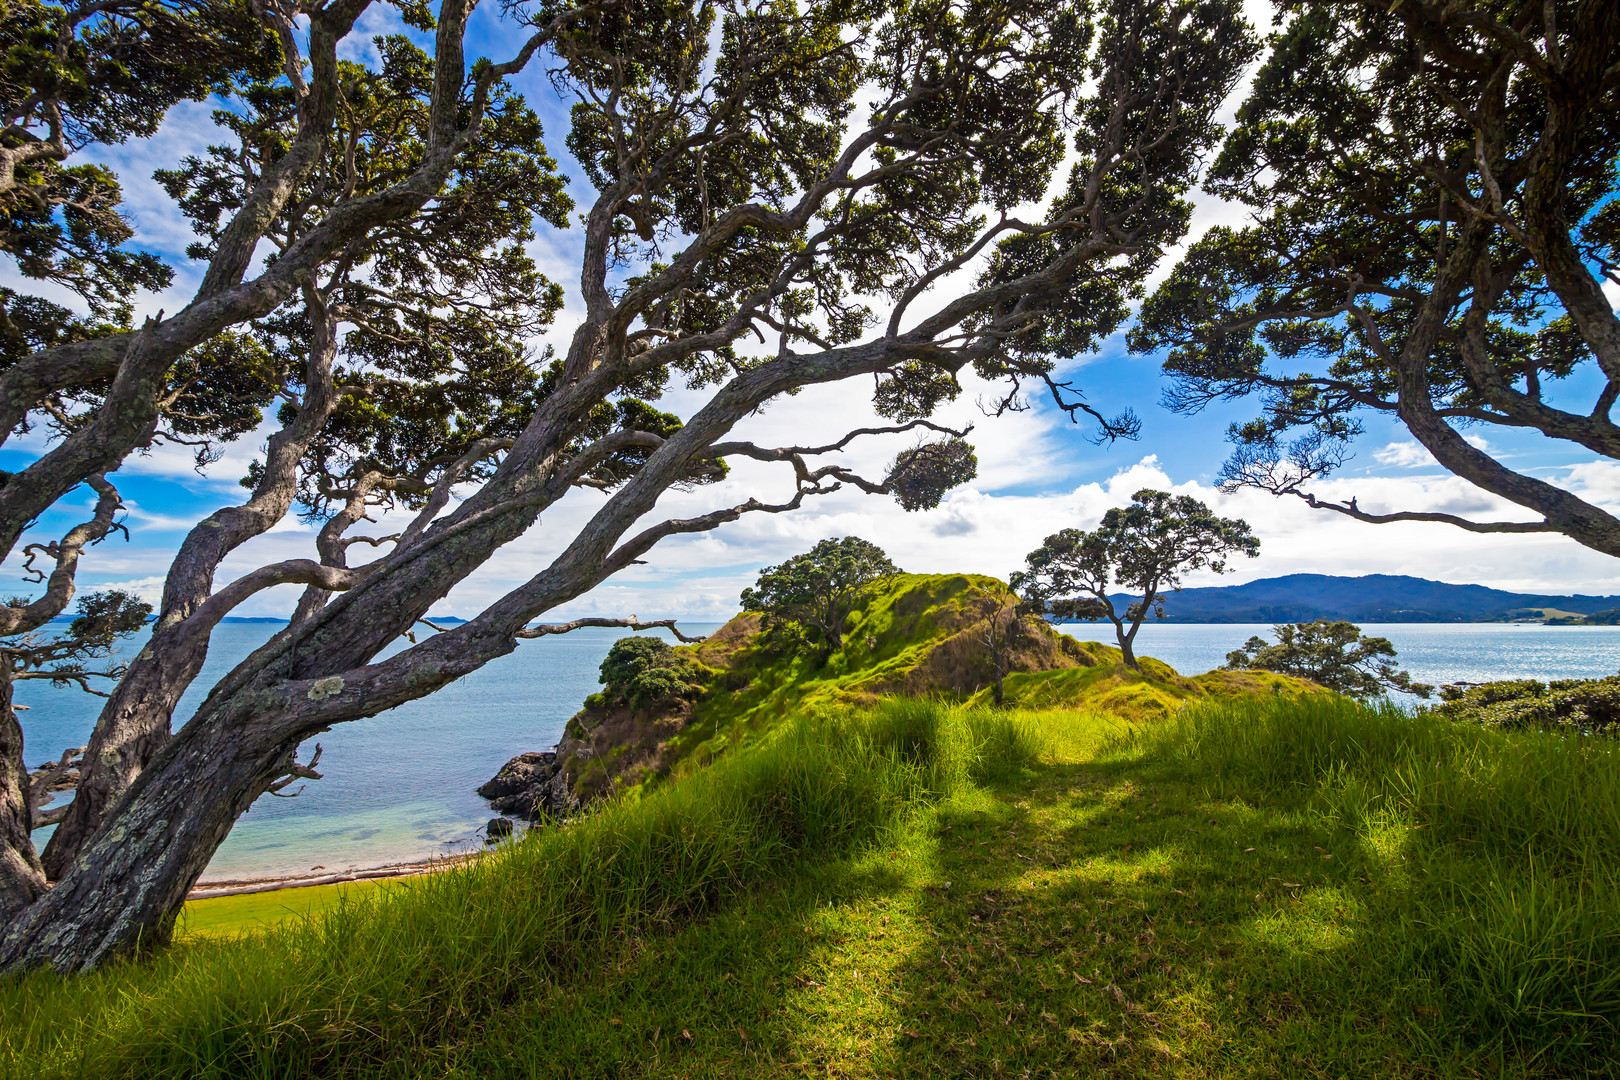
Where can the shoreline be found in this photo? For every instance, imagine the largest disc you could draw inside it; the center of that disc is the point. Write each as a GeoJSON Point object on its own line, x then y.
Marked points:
{"type": "Point", "coordinates": [274, 883]}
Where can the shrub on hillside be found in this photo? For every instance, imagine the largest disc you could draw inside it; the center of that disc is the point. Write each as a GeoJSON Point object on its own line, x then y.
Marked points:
{"type": "Point", "coordinates": [1585, 705]}
{"type": "Point", "coordinates": [1331, 653]}
{"type": "Point", "coordinates": [640, 671]}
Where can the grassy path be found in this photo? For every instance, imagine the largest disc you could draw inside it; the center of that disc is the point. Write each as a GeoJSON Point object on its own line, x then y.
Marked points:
{"type": "Point", "coordinates": [1281, 888]}
{"type": "Point", "coordinates": [1085, 919]}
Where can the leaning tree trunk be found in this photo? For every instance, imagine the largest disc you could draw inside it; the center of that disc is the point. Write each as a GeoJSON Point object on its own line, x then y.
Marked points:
{"type": "Point", "coordinates": [132, 728]}
{"type": "Point", "coordinates": [135, 723]}
{"type": "Point", "coordinates": [130, 880]}
{"type": "Point", "coordinates": [22, 878]}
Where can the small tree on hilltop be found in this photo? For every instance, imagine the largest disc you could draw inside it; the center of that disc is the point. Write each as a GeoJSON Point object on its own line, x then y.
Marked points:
{"type": "Point", "coordinates": [999, 629]}
{"type": "Point", "coordinates": [1334, 654]}
{"type": "Point", "coordinates": [1145, 547]}
{"type": "Point", "coordinates": [817, 590]}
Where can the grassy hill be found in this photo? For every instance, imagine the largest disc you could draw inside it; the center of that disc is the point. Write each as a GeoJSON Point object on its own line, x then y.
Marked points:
{"type": "Point", "coordinates": [914, 634]}
{"type": "Point", "coordinates": [1273, 886]}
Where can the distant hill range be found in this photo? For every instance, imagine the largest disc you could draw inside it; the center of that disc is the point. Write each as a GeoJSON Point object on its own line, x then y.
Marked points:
{"type": "Point", "coordinates": [1370, 599]}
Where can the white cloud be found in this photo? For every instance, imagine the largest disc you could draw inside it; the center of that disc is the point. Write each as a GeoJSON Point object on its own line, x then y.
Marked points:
{"type": "Point", "coordinates": [149, 589]}
{"type": "Point", "coordinates": [1403, 455]}
{"type": "Point", "coordinates": [1596, 481]}
{"type": "Point", "coordinates": [1410, 454]}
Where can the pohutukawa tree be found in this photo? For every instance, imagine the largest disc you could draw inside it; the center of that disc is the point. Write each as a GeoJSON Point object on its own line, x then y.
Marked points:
{"type": "Point", "coordinates": [814, 594]}
{"type": "Point", "coordinates": [1433, 185]}
{"type": "Point", "coordinates": [1331, 652]}
{"type": "Point", "coordinates": [1146, 547]}
{"type": "Point", "coordinates": [783, 198]}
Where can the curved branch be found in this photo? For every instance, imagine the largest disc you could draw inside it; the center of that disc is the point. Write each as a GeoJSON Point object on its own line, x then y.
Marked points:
{"type": "Point", "coordinates": [787, 453]}
{"type": "Point", "coordinates": [41, 781]}
{"type": "Point", "coordinates": [291, 572]}
{"type": "Point", "coordinates": [452, 476]}
{"type": "Point", "coordinates": [1350, 510]}
{"type": "Point", "coordinates": [643, 541]}
{"type": "Point", "coordinates": [632, 623]}
{"type": "Point", "coordinates": [60, 587]}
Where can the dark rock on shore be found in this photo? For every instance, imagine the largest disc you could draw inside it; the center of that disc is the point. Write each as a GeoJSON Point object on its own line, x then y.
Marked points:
{"type": "Point", "coordinates": [530, 786]}
{"type": "Point", "coordinates": [498, 829]}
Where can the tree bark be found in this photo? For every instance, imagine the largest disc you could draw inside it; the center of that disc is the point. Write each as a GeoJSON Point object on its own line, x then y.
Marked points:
{"type": "Point", "coordinates": [130, 877]}
{"type": "Point", "coordinates": [126, 887]}
{"type": "Point", "coordinates": [22, 878]}
{"type": "Point", "coordinates": [132, 728]}
{"type": "Point", "coordinates": [1127, 653]}
{"type": "Point", "coordinates": [130, 413]}
{"type": "Point", "coordinates": [174, 818]}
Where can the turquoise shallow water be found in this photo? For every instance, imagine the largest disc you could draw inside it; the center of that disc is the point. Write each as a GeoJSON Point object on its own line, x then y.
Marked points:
{"type": "Point", "coordinates": [402, 785]}
{"type": "Point", "coordinates": [397, 786]}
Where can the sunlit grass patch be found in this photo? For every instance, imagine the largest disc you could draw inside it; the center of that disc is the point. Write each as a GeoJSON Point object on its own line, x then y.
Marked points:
{"type": "Point", "coordinates": [232, 916]}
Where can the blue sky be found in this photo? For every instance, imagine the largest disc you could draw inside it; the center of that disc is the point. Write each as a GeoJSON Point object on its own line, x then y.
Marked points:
{"type": "Point", "coordinates": [1038, 472]}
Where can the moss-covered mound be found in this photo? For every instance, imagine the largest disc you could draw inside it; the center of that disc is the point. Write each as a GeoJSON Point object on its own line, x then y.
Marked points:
{"type": "Point", "coordinates": [1150, 694]}
{"type": "Point", "coordinates": [914, 634]}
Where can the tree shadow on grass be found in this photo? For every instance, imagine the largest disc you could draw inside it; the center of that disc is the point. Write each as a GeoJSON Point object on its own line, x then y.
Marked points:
{"type": "Point", "coordinates": [1090, 920]}
{"type": "Point", "coordinates": [730, 994]}
{"type": "Point", "coordinates": [1123, 924]}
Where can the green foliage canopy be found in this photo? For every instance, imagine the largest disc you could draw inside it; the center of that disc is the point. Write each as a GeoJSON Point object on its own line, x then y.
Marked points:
{"type": "Point", "coordinates": [1433, 189]}
{"type": "Point", "coordinates": [439, 302]}
{"type": "Point", "coordinates": [1146, 547]}
{"type": "Point", "coordinates": [816, 591]}
{"type": "Point", "coordinates": [104, 72]}
{"type": "Point", "coordinates": [921, 476]}
{"type": "Point", "coordinates": [1330, 652]}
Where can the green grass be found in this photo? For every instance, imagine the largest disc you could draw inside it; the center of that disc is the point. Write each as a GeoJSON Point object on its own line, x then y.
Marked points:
{"type": "Point", "coordinates": [1265, 887]}
{"type": "Point", "coordinates": [231, 916]}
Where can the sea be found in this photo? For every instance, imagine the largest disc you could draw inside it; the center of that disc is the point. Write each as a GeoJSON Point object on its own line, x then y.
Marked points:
{"type": "Point", "coordinates": [401, 786]}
